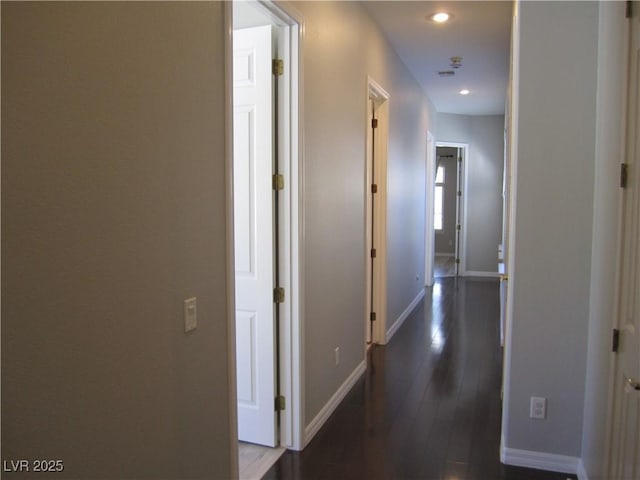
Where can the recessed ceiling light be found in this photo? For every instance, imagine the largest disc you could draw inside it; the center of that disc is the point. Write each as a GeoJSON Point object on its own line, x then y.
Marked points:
{"type": "Point", "coordinates": [464, 91]}
{"type": "Point", "coordinates": [440, 17]}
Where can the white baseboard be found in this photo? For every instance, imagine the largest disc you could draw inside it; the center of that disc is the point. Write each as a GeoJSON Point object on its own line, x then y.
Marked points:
{"type": "Point", "coordinates": [582, 473]}
{"type": "Point", "coordinates": [539, 460]}
{"type": "Point", "coordinates": [326, 411]}
{"type": "Point", "coordinates": [403, 316]}
{"type": "Point", "coordinates": [470, 273]}
{"type": "Point", "coordinates": [444, 254]}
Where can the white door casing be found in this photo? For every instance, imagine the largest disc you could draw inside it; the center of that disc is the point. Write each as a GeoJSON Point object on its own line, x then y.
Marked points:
{"type": "Point", "coordinates": [376, 212]}
{"type": "Point", "coordinates": [253, 231]}
{"type": "Point", "coordinates": [461, 204]}
{"type": "Point", "coordinates": [624, 455]}
{"type": "Point", "coordinates": [429, 232]}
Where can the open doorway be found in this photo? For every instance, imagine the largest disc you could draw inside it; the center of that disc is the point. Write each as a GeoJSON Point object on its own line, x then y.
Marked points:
{"type": "Point", "coordinates": [448, 209]}
{"type": "Point", "coordinates": [266, 245]}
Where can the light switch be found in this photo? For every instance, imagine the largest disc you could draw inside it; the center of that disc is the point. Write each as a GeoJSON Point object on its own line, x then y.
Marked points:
{"type": "Point", "coordinates": [190, 314]}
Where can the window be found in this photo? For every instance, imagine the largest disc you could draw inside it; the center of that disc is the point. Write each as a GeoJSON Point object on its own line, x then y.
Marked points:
{"type": "Point", "coordinates": [438, 199]}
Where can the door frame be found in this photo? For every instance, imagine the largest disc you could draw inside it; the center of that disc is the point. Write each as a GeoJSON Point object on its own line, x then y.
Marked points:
{"type": "Point", "coordinates": [627, 208]}
{"type": "Point", "coordinates": [429, 231]}
{"type": "Point", "coordinates": [379, 96]}
{"type": "Point", "coordinates": [513, 102]}
{"type": "Point", "coordinates": [290, 26]}
{"type": "Point", "coordinates": [461, 207]}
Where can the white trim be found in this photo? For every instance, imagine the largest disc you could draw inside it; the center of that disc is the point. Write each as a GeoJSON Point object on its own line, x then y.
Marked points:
{"type": "Point", "coordinates": [540, 460]}
{"type": "Point", "coordinates": [403, 316]}
{"type": "Point", "coordinates": [381, 98]}
{"type": "Point", "coordinates": [326, 411]}
{"type": "Point", "coordinates": [379, 93]}
{"type": "Point", "coordinates": [513, 197]}
{"type": "Point", "coordinates": [622, 147]}
{"type": "Point", "coordinates": [462, 252]}
{"type": "Point", "coordinates": [291, 27]}
{"type": "Point", "coordinates": [292, 364]}
{"type": "Point", "coordinates": [461, 215]}
{"type": "Point", "coordinates": [470, 273]}
{"type": "Point", "coordinates": [291, 328]}
{"type": "Point", "coordinates": [368, 328]}
{"type": "Point", "coordinates": [297, 234]}
{"type": "Point", "coordinates": [582, 473]}
{"type": "Point", "coordinates": [429, 232]}
{"type": "Point", "coordinates": [229, 247]}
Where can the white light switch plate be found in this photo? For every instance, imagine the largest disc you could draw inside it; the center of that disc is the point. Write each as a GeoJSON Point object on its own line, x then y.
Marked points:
{"type": "Point", "coordinates": [190, 314]}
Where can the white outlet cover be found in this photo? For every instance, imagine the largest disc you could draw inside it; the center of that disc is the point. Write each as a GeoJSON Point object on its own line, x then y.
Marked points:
{"type": "Point", "coordinates": [190, 314]}
{"type": "Point", "coordinates": [538, 408]}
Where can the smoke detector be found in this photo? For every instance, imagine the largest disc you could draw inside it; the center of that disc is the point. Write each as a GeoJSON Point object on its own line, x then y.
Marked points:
{"type": "Point", "coordinates": [456, 62]}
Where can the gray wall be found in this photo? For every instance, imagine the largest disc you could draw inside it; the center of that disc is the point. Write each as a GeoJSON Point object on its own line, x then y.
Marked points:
{"type": "Point", "coordinates": [446, 238]}
{"type": "Point", "coordinates": [485, 165]}
{"type": "Point", "coordinates": [553, 225]}
{"type": "Point", "coordinates": [610, 105]}
{"type": "Point", "coordinates": [342, 46]}
{"type": "Point", "coordinates": [113, 212]}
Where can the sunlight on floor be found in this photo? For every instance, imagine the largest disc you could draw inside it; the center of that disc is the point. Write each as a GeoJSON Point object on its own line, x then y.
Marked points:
{"type": "Point", "coordinates": [444, 266]}
{"type": "Point", "coordinates": [255, 460]}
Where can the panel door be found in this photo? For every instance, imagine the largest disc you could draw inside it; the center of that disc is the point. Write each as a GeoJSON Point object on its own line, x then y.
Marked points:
{"type": "Point", "coordinates": [253, 228]}
{"type": "Point", "coordinates": [625, 441]}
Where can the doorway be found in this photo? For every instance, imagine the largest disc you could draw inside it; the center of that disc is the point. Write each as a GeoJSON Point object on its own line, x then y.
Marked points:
{"type": "Point", "coordinates": [266, 232]}
{"type": "Point", "coordinates": [448, 209]}
{"type": "Point", "coordinates": [377, 124]}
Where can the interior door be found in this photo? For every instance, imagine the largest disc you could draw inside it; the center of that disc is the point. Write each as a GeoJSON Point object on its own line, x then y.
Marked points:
{"type": "Point", "coordinates": [625, 440]}
{"type": "Point", "coordinates": [460, 158]}
{"type": "Point", "coordinates": [253, 229]}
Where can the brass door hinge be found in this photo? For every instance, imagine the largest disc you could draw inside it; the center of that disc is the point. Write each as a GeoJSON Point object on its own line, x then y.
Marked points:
{"type": "Point", "coordinates": [374, 188]}
{"type": "Point", "coordinates": [374, 123]}
{"type": "Point", "coordinates": [278, 182]}
{"type": "Point", "coordinates": [457, 260]}
{"type": "Point", "coordinates": [458, 227]}
{"type": "Point", "coordinates": [280, 403]}
{"type": "Point", "coordinates": [372, 316]}
{"type": "Point", "coordinates": [629, 10]}
{"type": "Point", "coordinates": [624, 175]}
{"type": "Point", "coordinates": [278, 295]}
{"type": "Point", "coordinates": [277, 67]}
{"type": "Point", "coordinates": [373, 253]}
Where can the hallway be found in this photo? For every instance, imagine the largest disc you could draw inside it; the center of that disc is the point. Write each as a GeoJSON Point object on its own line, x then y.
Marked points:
{"type": "Point", "coordinates": [428, 406]}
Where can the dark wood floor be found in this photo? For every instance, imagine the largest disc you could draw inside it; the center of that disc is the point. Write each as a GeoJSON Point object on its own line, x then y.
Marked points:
{"type": "Point", "coordinates": [444, 266]}
{"type": "Point", "coordinates": [428, 406]}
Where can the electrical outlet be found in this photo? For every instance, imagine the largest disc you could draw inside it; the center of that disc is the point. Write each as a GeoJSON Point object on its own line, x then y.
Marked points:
{"type": "Point", "coordinates": [336, 352]}
{"type": "Point", "coordinates": [190, 314]}
{"type": "Point", "coordinates": [538, 408]}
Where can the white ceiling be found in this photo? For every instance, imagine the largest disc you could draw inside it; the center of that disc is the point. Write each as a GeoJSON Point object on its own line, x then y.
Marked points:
{"type": "Point", "coordinates": [479, 33]}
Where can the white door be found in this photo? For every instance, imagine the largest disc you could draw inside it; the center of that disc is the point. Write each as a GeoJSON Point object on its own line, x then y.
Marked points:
{"type": "Point", "coordinates": [625, 440]}
{"type": "Point", "coordinates": [253, 229]}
